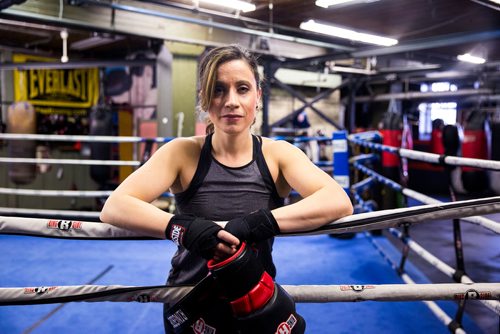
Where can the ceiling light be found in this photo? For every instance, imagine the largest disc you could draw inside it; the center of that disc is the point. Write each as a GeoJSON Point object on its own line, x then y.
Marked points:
{"type": "Point", "coordinates": [467, 57]}
{"type": "Point", "coordinates": [330, 3]}
{"type": "Point", "coordinates": [496, 1]}
{"type": "Point", "coordinates": [234, 4]}
{"type": "Point", "coordinates": [94, 41]}
{"type": "Point", "coordinates": [326, 29]}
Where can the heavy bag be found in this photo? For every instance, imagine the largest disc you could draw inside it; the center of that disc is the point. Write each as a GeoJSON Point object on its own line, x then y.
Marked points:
{"type": "Point", "coordinates": [392, 131]}
{"type": "Point", "coordinates": [101, 124]}
{"type": "Point", "coordinates": [474, 145]}
{"type": "Point", "coordinates": [437, 136]}
{"type": "Point", "coordinates": [451, 146]}
{"type": "Point", "coordinates": [21, 118]}
{"type": "Point", "coordinates": [494, 176]}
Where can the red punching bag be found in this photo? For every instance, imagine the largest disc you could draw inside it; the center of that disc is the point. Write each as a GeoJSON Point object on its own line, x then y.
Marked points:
{"type": "Point", "coordinates": [474, 145]}
{"type": "Point", "coordinates": [392, 131]}
{"type": "Point", "coordinates": [437, 136]}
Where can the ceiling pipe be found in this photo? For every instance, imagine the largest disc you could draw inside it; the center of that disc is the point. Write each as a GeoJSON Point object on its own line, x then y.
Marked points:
{"type": "Point", "coordinates": [421, 95]}
{"type": "Point", "coordinates": [429, 43]}
{"type": "Point", "coordinates": [217, 25]}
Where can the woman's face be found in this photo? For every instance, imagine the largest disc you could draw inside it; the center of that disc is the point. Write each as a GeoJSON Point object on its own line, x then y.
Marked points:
{"type": "Point", "coordinates": [234, 103]}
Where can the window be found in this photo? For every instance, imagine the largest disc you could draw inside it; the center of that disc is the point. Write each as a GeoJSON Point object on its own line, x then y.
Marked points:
{"type": "Point", "coordinates": [428, 112]}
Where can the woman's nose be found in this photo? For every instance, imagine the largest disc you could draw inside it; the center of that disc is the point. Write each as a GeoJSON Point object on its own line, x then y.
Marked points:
{"type": "Point", "coordinates": [232, 98]}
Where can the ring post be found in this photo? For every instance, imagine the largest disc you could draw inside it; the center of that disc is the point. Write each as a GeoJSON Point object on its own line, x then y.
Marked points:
{"type": "Point", "coordinates": [341, 159]}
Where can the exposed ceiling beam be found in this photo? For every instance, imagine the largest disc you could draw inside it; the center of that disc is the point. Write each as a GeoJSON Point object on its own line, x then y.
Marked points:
{"type": "Point", "coordinates": [429, 43]}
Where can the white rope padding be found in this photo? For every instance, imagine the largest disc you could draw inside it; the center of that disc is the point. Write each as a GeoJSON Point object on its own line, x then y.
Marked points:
{"type": "Point", "coordinates": [355, 223]}
{"type": "Point", "coordinates": [425, 156]}
{"type": "Point", "coordinates": [56, 193]}
{"type": "Point", "coordinates": [440, 265]}
{"type": "Point", "coordinates": [71, 161]}
{"type": "Point", "coordinates": [300, 293]}
{"type": "Point", "coordinates": [383, 219]}
{"type": "Point", "coordinates": [48, 212]}
{"type": "Point", "coordinates": [63, 228]}
{"type": "Point", "coordinates": [481, 221]}
{"type": "Point", "coordinates": [82, 138]}
{"type": "Point", "coordinates": [433, 306]}
{"type": "Point", "coordinates": [374, 176]}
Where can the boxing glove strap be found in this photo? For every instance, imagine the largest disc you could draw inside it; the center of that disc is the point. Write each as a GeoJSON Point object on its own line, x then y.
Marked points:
{"type": "Point", "coordinates": [255, 298]}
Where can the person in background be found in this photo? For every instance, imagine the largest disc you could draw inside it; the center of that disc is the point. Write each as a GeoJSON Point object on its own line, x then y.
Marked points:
{"type": "Point", "coordinates": [229, 188]}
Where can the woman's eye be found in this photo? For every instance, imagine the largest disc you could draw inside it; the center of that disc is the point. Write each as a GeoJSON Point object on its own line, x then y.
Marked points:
{"type": "Point", "coordinates": [218, 91]}
{"type": "Point", "coordinates": [243, 89]}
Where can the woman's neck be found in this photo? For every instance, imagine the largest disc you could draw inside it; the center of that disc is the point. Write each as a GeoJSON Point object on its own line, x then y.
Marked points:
{"type": "Point", "coordinates": [232, 149]}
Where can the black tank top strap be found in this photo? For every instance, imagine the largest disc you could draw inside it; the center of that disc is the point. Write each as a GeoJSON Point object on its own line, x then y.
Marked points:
{"type": "Point", "coordinates": [201, 172]}
{"type": "Point", "coordinates": [264, 170]}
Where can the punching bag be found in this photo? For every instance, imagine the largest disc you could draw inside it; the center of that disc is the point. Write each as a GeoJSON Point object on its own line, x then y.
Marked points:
{"type": "Point", "coordinates": [392, 131]}
{"type": "Point", "coordinates": [451, 146]}
{"type": "Point", "coordinates": [101, 124]}
{"type": "Point", "coordinates": [21, 118]}
{"type": "Point", "coordinates": [437, 136]}
{"type": "Point", "coordinates": [474, 145]}
{"type": "Point", "coordinates": [494, 176]}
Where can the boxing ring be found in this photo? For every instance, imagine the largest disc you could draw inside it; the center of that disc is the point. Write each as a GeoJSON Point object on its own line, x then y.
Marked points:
{"type": "Point", "coordinates": [397, 221]}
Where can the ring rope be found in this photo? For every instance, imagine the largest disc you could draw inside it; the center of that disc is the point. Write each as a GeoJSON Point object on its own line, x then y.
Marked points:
{"type": "Point", "coordinates": [84, 138]}
{"type": "Point", "coordinates": [419, 250]}
{"type": "Point", "coordinates": [62, 193]}
{"type": "Point", "coordinates": [130, 139]}
{"type": "Point", "coordinates": [300, 293]}
{"type": "Point", "coordinates": [433, 306]}
{"type": "Point", "coordinates": [355, 223]}
{"type": "Point", "coordinates": [440, 265]}
{"type": "Point", "coordinates": [69, 193]}
{"type": "Point", "coordinates": [48, 212]}
{"type": "Point", "coordinates": [71, 161]}
{"type": "Point", "coordinates": [482, 221]}
{"type": "Point", "coordinates": [427, 157]}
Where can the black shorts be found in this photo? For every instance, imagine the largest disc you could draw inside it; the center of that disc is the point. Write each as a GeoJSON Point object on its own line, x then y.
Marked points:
{"type": "Point", "coordinates": [216, 317]}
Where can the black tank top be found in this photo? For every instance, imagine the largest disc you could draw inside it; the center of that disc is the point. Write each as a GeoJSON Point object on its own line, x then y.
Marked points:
{"type": "Point", "coordinates": [221, 193]}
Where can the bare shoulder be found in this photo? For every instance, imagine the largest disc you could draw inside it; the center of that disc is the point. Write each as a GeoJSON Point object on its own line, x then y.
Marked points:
{"type": "Point", "coordinates": [279, 148]}
{"type": "Point", "coordinates": [180, 150]}
{"type": "Point", "coordinates": [184, 144]}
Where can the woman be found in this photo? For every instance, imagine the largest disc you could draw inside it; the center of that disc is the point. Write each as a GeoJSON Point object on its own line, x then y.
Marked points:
{"type": "Point", "coordinates": [228, 176]}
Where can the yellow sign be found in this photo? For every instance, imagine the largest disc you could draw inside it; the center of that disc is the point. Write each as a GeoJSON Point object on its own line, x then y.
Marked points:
{"type": "Point", "coordinates": [72, 88]}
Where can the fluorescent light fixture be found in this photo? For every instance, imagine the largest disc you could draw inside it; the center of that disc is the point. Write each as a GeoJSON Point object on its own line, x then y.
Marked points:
{"type": "Point", "coordinates": [496, 1]}
{"type": "Point", "coordinates": [93, 42]}
{"type": "Point", "coordinates": [234, 4]}
{"type": "Point", "coordinates": [328, 3]}
{"type": "Point", "coordinates": [326, 29]}
{"type": "Point", "coordinates": [331, 3]}
{"type": "Point", "coordinates": [467, 57]}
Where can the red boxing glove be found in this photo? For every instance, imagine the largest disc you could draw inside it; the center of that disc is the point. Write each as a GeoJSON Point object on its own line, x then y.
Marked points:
{"type": "Point", "coordinates": [259, 305]}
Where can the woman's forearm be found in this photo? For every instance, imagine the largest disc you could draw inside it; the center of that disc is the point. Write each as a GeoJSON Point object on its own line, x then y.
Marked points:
{"type": "Point", "coordinates": [133, 214]}
{"type": "Point", "coordinates": [318, 209]}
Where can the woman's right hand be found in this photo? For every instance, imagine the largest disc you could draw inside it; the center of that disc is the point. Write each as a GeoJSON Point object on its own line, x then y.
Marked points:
{"type": "Point", "coordinates": [227, 247]}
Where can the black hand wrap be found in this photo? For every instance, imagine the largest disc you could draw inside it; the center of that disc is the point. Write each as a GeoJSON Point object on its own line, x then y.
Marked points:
{"type": "Point", "coordinates": [198, 235]}
{"type": "Point", "coordinates": [256, 226]}
{"type": "Point", "coordinates": [258, 304]}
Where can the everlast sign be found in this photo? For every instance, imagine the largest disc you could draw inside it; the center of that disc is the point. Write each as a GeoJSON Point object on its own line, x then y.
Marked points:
{"type": "Point", "coordinates": [70, 88]}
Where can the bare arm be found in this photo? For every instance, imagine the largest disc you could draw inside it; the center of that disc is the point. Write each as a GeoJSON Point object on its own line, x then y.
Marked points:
{"type": "Point", "coordinates": [129, 206]}
{"type": "Point", "coordinates": [323, 199]}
